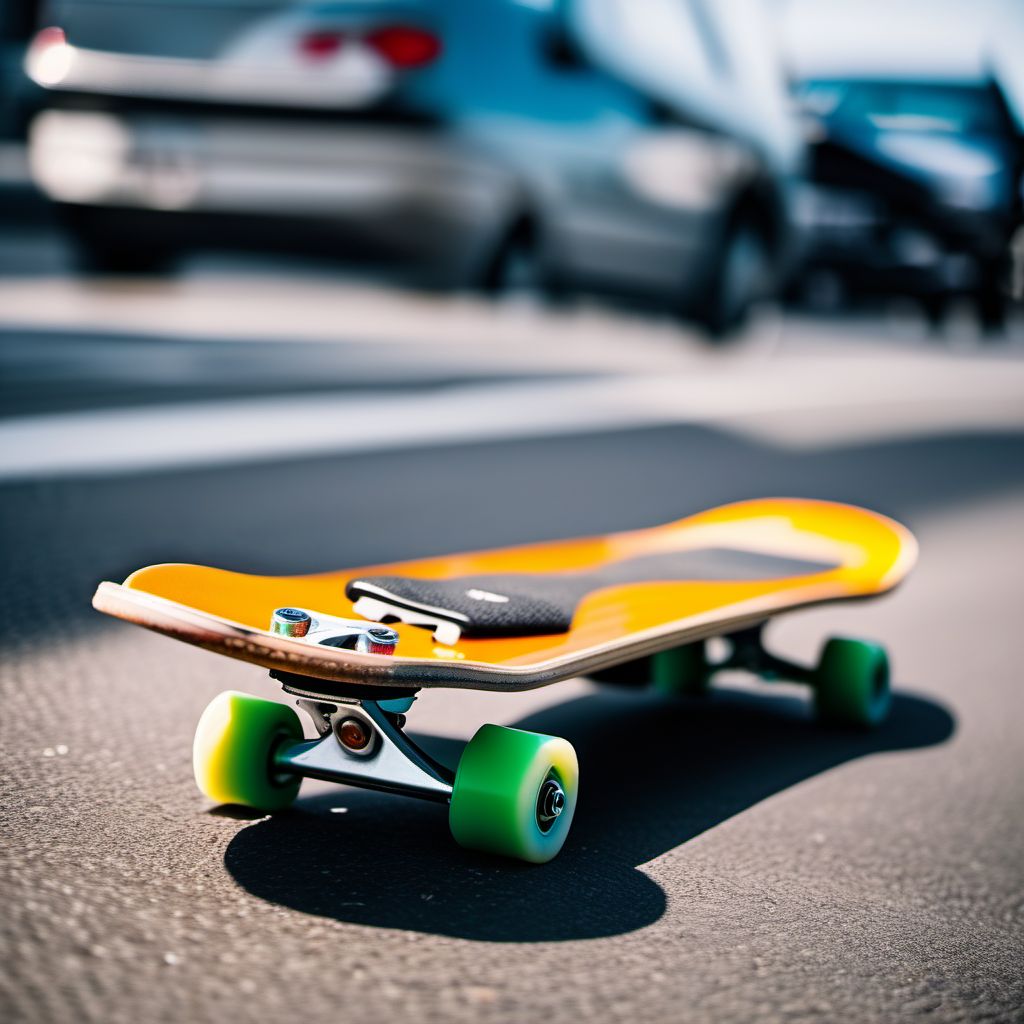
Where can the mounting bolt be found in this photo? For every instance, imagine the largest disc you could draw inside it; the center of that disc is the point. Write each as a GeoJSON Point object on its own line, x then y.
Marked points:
{"type": "Point", "coordinates": [290, 622]}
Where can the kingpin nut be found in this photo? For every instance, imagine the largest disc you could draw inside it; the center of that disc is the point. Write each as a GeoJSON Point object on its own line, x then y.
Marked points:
{"type": "Point", "coordinates": [290, 622]}
{"type": "Point", "coordinates": [381, 640]}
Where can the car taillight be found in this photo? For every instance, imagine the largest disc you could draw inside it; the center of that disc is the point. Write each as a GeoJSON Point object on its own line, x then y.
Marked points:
{"type": "Point", "coordinates": [321, 45]}
{"type": "Point", "coordinates": [404, 46]}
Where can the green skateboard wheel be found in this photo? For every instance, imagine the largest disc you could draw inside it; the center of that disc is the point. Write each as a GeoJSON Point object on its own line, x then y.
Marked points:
{"type": "Point", "coordinates": [681, 671]}
{"type": "Point", "coordinates": [514, 794]}
{"type": "Point", "coordinates": [851, 683]}
{"type": "Point", "coordinates": [233, 750]}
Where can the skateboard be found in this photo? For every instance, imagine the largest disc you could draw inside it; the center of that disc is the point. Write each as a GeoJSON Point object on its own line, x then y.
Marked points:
{"type": "Point", "coordinates": [354, 647]}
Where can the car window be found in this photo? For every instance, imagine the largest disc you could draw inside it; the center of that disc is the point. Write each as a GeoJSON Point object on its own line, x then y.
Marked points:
{"type": "Point", "coordinates": [908, 106]}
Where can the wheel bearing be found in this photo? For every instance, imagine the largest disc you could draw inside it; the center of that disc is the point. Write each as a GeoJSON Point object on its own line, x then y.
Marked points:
{"type": "Point", "coordinates": [550, 803]}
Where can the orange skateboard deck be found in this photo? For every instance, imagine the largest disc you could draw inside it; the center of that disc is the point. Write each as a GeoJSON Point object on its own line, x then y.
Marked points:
{"type": "Point", "coordinates": [546, 611]}
{"type": "Point", "coordinates": [638, 604]}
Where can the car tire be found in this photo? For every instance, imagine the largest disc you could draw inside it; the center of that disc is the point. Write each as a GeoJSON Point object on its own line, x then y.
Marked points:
{"type": "Point", "coordinates": [103, 244]}
{"type": "Point", "coordinates": [514, 265]}
{"type": "Point", "coordinates": [93, 257]}
{"type": "Point", "coordinates": [935, 307]}
{"type": "Point", "coordinates": [990, 303]}
{"type": "Point", "coordinates": [738, 281]}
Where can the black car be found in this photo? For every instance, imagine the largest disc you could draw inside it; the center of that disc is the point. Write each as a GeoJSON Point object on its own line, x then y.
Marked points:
{"type": "Point", "coordinates": [916, 187]}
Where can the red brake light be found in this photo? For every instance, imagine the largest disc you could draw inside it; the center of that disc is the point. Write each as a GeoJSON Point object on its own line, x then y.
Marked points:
{"type": "Point", "coordinates": [47, 37]}
{"type": "Point", "coordinates": [404, 46]}
{"type": "Point", "coordinates": [321, 45]}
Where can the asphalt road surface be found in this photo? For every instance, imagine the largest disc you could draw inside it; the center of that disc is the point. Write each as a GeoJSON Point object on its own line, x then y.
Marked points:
{"type": "Point", "coordinates": [729, 861]}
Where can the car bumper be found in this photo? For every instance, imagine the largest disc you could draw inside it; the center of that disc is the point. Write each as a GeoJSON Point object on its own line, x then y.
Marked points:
{"type": "Point", "coordinates": [410, 185]}
{"type": "Point", "coordinates": [854, 234]}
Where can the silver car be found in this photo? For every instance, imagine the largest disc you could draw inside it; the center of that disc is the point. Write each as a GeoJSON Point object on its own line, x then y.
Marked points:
{"type": "Point", "coordinates": [587, 144]}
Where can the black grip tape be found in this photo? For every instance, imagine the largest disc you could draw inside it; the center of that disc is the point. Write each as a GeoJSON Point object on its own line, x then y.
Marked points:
{"type": "Point", "coordinates": [521, 604]}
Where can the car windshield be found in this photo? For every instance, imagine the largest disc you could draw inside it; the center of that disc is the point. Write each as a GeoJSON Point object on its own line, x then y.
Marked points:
{"type": "Point", "coordinates": [906, 106]}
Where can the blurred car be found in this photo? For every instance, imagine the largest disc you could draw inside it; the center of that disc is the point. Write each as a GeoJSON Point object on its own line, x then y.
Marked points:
{"type": "Point", "coordinates": [914, 115]}
{"type": "Point", "coordinates": [918, 187]}
{"type": "Point", "coordinates": [574, 144]}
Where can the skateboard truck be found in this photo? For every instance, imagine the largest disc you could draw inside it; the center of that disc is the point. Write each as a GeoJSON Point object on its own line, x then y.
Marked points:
{"type": "Point", "coordinates": [748, 652]}
{"type": "Point", "coordinates": [514, 792]}
{"type": "Point", "coordinates": [361, 743]}
{"type": "Point", "coordinates": [849, 684]}
{"type": "Point", "coordinates": [360, 739]}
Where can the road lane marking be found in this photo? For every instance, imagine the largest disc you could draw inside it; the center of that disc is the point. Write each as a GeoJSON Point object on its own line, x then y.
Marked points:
{"type": "Point", "coordinates": [806, 404]}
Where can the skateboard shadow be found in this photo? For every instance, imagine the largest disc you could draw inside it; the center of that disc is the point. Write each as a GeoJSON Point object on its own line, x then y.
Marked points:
{"type": "Point", "coordinates": [654, 774]}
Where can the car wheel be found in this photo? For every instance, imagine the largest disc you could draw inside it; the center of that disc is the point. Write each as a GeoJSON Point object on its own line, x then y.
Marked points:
{"type": "Point", "coordinates": [108, 245]}
{"type": "Point", "coordinates": [94, 257]}
{"type": "Point", "coordinates": [514, 266]}
{"type": "Point", "coordinates": [739, 280]}
{"type": "Point", "coordinates": [935, 306]}
{"type": "Point", "coordinates": [991, 306]}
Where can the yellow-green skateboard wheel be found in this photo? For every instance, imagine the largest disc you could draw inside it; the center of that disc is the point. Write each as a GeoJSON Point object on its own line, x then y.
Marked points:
{"type": "Point", "coordinates": [851, 683]}
{"type": "Point", "coordinates": [233, 750]}
{"type": "Point", "coordinates": [514, 794]}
